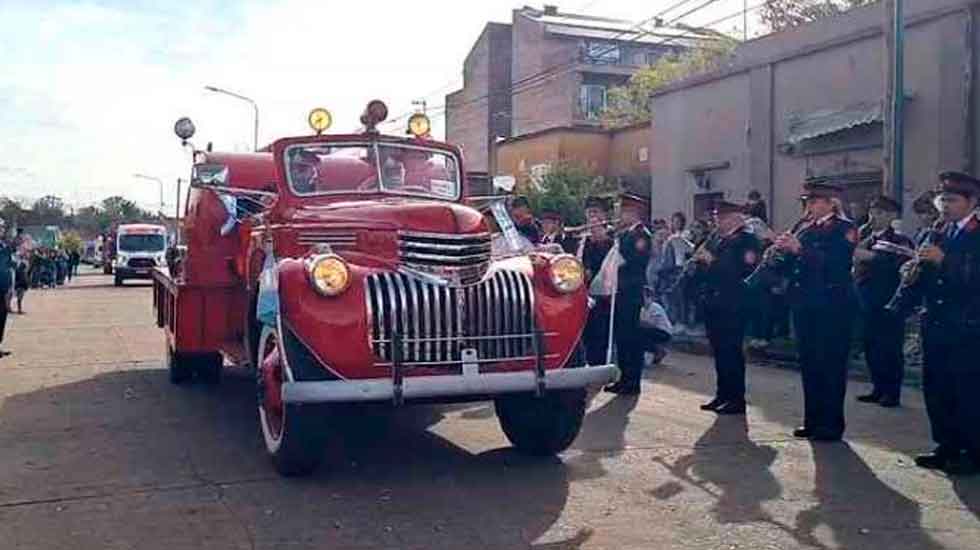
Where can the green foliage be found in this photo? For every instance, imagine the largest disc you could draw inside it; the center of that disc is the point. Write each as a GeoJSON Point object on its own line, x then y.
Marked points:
{"type": "Point", "coordinates": [565, 188]}
{"type": "Point", "coordinates": [630, 104]}
{"type": "Point", "coordinates": [784, 14]}
{"type": "Point", "coordinates": [87, 221]}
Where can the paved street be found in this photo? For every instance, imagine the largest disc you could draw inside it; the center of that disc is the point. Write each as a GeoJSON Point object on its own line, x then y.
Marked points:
{"type": "Point", "coordinates": [99, 451]}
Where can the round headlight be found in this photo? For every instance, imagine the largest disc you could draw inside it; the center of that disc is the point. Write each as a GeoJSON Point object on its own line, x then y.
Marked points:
{"type": "Point", "coordinates": [329, 274]}
{"type": "Point", "coordinates": [567, 273]}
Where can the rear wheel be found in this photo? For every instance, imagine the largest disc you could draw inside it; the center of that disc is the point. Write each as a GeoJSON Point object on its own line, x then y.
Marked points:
{"type": "Point", "coordinates": [294, 434]}
{"type": "Point", "coordinates": [542, 426]}
{"type": "Point", "coordinates": [179, 366]}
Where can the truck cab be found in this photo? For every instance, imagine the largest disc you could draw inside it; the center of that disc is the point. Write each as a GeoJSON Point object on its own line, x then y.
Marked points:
{"type": "Point", "coordinates": [355, 268]}
{"type": "Point", "coordinates": [139, 248]}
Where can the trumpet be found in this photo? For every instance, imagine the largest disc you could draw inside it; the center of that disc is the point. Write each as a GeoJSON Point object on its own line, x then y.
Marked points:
{"type": "Point", "coordinates": [766, 273]}
{"type": "Point", "coordinates": [903, 301]}
{"type": "Point", "coordinates": [583, 230]}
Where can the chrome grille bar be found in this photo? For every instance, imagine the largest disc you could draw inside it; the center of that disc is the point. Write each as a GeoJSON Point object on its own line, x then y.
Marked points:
{"type": "Point", "coordinates": [434, 323]}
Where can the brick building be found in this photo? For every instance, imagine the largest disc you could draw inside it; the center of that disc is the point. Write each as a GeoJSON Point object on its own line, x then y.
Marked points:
{"type": "Point", "coordinates": [547, 69]}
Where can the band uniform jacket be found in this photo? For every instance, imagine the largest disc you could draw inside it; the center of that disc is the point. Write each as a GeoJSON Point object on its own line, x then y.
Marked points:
{"type": "Point", "coordinates": [593, 254]}
{"type": "Point", "coordinates": [877, 279]}
{"type": "Point", "coordinates": [820, 276]}
{"type": "Point", "coordinates": [635, 246]}
{"type": "Point", "coordinates": [568, 243]}
{"type": "Point", "coordinates": [721, 284]}
{"type": "Point", "coordinates": [952, 292]}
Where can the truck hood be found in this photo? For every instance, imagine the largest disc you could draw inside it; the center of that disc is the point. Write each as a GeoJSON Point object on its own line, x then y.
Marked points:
{"type": "Point", "coordinates": [394, 214]}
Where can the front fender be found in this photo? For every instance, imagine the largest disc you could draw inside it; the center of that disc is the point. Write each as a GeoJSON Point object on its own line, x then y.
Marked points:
{"type": "Point", "coordinates": [333, 328]}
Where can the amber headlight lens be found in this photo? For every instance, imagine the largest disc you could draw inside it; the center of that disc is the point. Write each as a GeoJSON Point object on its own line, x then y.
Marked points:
{"type": "Point", "coordinates": [329, 274]}
{"type": "Point", "coordinates": [567, 273]}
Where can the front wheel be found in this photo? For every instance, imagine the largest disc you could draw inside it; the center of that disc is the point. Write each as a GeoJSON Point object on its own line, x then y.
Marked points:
{"type": "Point", "coordinates": [542, 426]}
{"type": "Point", "coordinates": [294, 433]}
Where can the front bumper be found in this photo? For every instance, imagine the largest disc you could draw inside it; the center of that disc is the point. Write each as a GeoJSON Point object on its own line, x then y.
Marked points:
{"type": "Point", "coordinates": [470, 383]}
{"type": "Point", "coordinates": [126, 272]}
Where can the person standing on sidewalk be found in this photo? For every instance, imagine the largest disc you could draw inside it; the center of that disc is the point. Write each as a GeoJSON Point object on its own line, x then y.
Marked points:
{"type": "Point", "coordinates": [6, 280]}
{"type": "Point", "coordinates": [722, 271]}
{"type": "Point", "coordinates": [949, 279]}
{"type": "Point", "coordinates": [22, 282]}
{"type": "Point", "coordinates": [876, 276]}
{"type": "Point", "coordinates": [823, 304]}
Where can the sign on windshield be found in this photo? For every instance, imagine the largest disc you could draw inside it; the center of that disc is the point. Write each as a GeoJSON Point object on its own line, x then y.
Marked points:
{"type": "Point", "coordinates": [331, 168]}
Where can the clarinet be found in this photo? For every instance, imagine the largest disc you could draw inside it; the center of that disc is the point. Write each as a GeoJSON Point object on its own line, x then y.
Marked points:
{"type": "Point", "coordinates": [773, 259]}
{"type": "Point", "coordinates": [903, 301]}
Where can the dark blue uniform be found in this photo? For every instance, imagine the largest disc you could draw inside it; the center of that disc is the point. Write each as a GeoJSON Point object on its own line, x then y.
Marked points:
{"type": "Point", "coordinates": [821, 294]}
{"type": "Point", "coordinates": [722, 294]}
{"type": "Point", "coordinates": [884, 331]}
{"type": "Point", "coordinates": [951, 342]}
{"type": "Point", "coordinates": [6, 281]}
{"type": "Point", "coordinates": [635, 245]}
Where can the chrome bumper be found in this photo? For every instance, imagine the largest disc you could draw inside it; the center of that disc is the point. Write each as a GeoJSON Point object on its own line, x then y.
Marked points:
{"type": "Point", "coordinates": [453, 385]}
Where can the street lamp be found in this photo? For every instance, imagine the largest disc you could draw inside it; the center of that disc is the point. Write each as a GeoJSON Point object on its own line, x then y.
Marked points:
{"type": "Point", "coordinates": [255, 107]}
{"type": "Point", "coordinates": [158, 180]}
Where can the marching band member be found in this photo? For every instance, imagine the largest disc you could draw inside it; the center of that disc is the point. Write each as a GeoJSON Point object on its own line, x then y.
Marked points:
{"type": "Point", "coordinates": [823, 305]}
{"type": "Point", "coordinates": [951, 330]}
{"type": "Point", "coordinates": [876, 276]}
{"type": "Point", "coordinates": [635, 243]}
{"type": "Point", "coordinates": [592, 251]}
{"type": "Point", "coordinates": [719, 272]}
{"type": "Point", "coordinates": [553, 231]}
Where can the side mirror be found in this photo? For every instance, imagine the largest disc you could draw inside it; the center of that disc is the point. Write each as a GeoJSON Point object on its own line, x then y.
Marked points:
{"type": "Point", "coordinates": [209, 175]}
{"type": "Point", "coordinates": [184, 128]}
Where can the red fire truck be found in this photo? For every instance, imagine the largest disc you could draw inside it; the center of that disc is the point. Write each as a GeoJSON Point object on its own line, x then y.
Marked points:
{"type": "Point", "coordinates": [355, 268]}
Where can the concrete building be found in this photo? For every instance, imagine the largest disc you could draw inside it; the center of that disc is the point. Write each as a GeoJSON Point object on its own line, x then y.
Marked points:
{"type": "Point", "coordinates": [547, 69]}
{"type": "Point", "coordinates": [622, 154]}
{"type": "Point", "coordinates": [813, 101]}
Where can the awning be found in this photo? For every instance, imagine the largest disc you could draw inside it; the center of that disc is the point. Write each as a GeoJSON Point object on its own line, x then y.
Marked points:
{"type": "Point", "coordinates": [830, 121]}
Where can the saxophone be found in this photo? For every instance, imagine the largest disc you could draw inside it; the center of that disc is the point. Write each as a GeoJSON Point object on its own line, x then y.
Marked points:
{"type": "Point", "coordinates": [903, 301]}
{"type": "Point", "coordinates": [766, 274]}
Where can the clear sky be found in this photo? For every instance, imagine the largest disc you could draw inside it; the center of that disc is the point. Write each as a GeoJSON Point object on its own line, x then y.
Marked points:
{"type": "Point", "coordinates": [89, 90]}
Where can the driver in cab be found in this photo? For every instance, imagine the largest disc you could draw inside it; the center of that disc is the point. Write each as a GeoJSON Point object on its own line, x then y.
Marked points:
{"type": "Point", "coordinates": [304, 171]}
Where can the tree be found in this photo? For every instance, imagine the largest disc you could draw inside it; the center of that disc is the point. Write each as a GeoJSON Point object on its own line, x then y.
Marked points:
{"type": "Point", "coordinates": [71, 242]}
{"type": "Point", "coordinates": [48, 210]}
{"type": "Point", "coordinates": [784, 14]}
{"type": "Point", "coordinates": [630, 104]}
{"type": "Point", "coordinates": [119, 209]}
{"type": "Point", "coordinates": [12, 212]}
{"type": "Point", "coordinates": [565, 188]}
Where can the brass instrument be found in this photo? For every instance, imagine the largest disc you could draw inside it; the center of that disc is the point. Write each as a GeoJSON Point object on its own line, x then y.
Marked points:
{"type": "Point", "coordinates": [903, 301]}
{"type": "Point", "coordinates": [767, 272]}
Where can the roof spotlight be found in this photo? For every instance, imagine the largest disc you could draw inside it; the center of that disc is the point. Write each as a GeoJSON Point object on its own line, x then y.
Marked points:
{"type": "Point", "coordinates": [375, 113]}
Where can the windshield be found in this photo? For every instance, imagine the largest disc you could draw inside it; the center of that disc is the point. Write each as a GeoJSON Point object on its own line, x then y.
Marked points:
{"type": "Point", "coordinates": [326, 168]}
{"type": "Point", "coordinates": [141, 243]}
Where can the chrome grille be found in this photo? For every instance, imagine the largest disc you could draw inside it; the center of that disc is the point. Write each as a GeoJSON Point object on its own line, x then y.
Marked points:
{"type": "Point", "coordinates": [142, 262]}
{"type": "Point", "coordinates": [435, 323]}
{"type": "Point", "coordinates": [462, 259]}
{"type": "Point", "coordinates": [336, 239]}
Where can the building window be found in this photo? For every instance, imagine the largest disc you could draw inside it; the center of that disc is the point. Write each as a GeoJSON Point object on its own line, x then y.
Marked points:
{"type": "Point", "coordinates": [652, 57]}
{"type": "Point", "coordinates": [602, 53]}
{"type": "Point", "coordinates": [592, 100]}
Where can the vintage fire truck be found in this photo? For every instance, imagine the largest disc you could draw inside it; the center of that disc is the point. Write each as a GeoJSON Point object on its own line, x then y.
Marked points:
{"type": "Point", "coordinates": [354, 269]}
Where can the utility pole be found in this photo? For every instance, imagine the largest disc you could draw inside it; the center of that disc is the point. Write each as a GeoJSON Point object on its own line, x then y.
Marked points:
{"type": "Point", "coordinates": [250, 101]}
{"type": "Point", "coordinates": [895, 136]}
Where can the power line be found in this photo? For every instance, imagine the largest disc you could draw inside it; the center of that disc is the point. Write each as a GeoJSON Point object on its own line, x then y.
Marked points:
{"type": "Point", "coordinates": [636, 29]}
{"type": "Point", "coordinates": [536, 80]}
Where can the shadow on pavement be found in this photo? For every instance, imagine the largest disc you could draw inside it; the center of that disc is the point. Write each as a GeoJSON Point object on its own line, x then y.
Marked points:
{"type": "Point", "coordinates": [388, 481]}
{"type": "Point", "coordinates": [860, 509]}
{"type": "Point", "coordinates": [603, 435]}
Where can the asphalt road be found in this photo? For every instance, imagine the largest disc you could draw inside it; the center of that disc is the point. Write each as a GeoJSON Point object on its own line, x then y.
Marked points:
{"type": "Point", "coordinates": [98, 451]}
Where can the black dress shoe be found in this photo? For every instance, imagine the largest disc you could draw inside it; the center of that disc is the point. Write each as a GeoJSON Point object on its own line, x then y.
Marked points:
{"type": "Point", "coordinates": [713, 404]}
{"type": "Point", "coordinates": [732, 408]}
{"type": "Point", "coordinates": [803, 433]}
{"type": "Point", "coordinates": [873, 397]}
{"type": "Point", "coordinates": [890, 402]}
